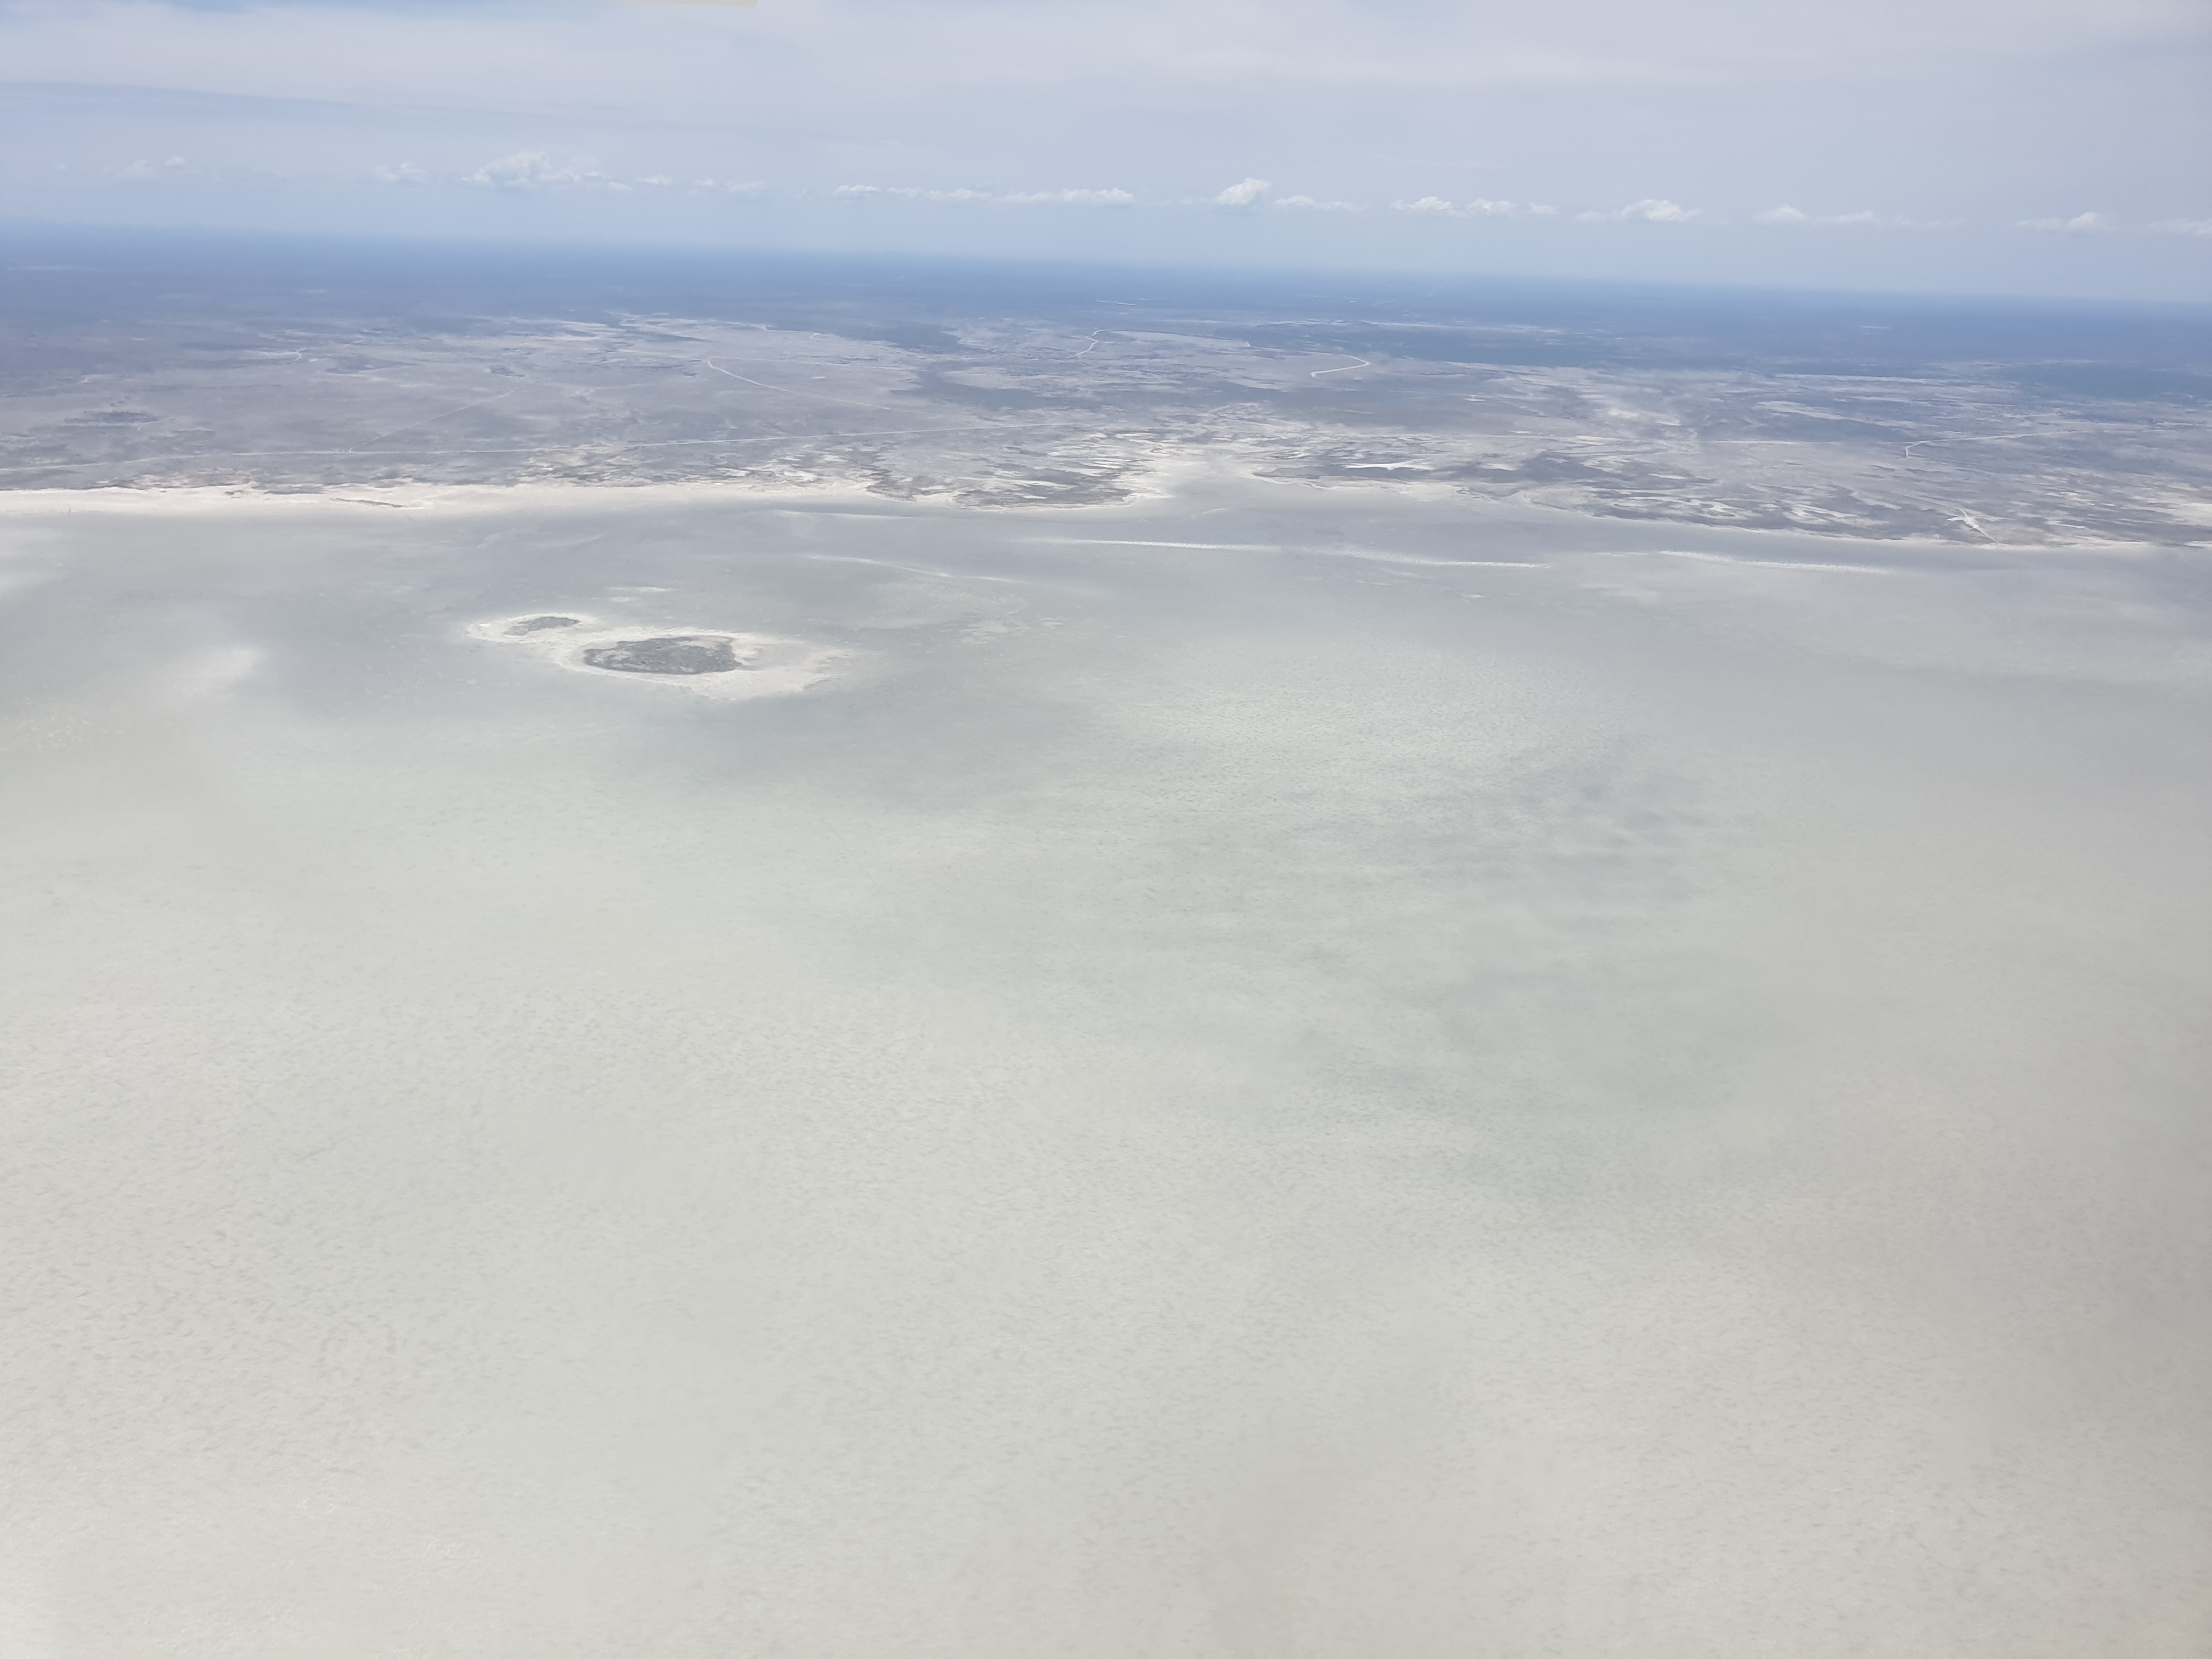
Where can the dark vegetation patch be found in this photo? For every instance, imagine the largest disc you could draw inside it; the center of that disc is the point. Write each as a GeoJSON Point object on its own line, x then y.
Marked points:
{"type": "Point", "coordinates": [667, 653]}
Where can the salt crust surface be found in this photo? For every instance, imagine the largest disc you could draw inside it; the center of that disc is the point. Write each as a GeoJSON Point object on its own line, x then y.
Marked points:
{"type": "Point", "coordinates": [1652, 1112]}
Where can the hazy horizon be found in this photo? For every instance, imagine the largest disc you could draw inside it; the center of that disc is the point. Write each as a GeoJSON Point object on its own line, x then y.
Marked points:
{"type": "Point", "coordinates": [1960, 147]}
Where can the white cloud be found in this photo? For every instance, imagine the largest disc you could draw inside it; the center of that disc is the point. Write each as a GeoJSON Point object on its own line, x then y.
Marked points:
{"type": "Point", "coordinates": [1244, 193]}
{"type": "Point", "coordinates": [905, 193]}
{"type": "Point", "coordinates": [1309, 205]}
{"type": "Point", "coordinates": [1786, 215]}
{"type": "Point", "coordinates": [528, 169]}
{"type": "Point", "coordinates": [2185, 227]}
{"type": "Point", "coordinates": [1007, 198]}
{"type": "Point", "coordinates": [400, 172]}
{"type": "Point", "coordinates": [1070, 198]}
{"type": "Point", "coordinates": [1651, 209]}
{"type": "Point", "coordinates": [2079, 224]}
{"type": "Point", "coordinates": [1481, 207]}
{"type": "Point", "coordinates": [145, 169]}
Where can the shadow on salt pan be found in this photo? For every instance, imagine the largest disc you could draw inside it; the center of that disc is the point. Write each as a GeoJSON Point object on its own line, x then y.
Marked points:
{"type": "Point", "coordinates": [711, 662]}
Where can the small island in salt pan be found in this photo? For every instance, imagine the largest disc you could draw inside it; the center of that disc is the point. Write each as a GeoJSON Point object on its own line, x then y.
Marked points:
{"type": "Point", "coordinates": [709, 660]}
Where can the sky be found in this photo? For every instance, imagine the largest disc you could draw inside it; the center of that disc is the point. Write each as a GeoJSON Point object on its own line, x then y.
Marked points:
{"type": "Point", "coordinates": [2033, 147]}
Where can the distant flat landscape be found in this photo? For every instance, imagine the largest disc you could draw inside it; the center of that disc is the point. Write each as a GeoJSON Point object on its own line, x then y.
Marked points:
{"type": "Point", "coordinates": [338, 368]}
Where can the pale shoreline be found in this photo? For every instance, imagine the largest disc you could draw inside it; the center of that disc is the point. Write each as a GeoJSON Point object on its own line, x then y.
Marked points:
{"type": "Point", "coordinates": [197, 500]}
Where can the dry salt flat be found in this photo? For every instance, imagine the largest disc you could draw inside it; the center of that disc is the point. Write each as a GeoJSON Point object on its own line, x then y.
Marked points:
{"type": "Point", "coordinates": [1264, 1070]}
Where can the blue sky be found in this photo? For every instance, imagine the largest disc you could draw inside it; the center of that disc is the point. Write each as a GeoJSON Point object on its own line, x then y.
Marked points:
{"type": "Point", "coordinates": [2027, 146]}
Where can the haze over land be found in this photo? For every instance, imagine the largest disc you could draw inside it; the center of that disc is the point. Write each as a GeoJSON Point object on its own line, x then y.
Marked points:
{"type": "Point", "coordinates": [307, 366]}
{"type": "Point", "coordinates": [738, 955]}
